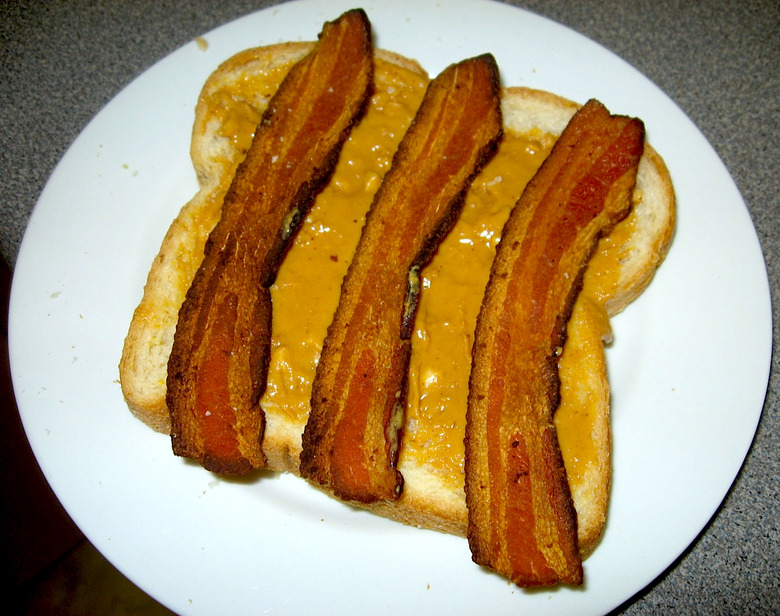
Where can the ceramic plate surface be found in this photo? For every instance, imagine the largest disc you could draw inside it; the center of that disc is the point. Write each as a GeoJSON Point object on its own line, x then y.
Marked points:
{"type": "Point", "coordinates": [688, 367]}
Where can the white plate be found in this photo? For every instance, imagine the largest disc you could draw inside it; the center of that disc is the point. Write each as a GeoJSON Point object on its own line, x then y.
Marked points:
{"type": "Point", "coordinates": [689, 366]}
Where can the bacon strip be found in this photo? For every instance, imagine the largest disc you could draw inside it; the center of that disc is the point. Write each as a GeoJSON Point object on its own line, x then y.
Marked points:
{"type": "Point", "coordinates": [522, 522]}
{"type": "Point", "coordinates": [358, 398]}
{"type": "Point", "coordinates": [218, 365]}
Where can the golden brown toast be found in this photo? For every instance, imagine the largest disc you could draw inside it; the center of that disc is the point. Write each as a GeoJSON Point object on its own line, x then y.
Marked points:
{"type": "Point", "coordinates": [306, 290]}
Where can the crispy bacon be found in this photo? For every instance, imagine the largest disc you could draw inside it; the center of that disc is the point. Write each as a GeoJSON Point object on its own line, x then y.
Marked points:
{"type": "Point", "coordinates": [358, 398]}
{"type": "Point", "coordinates": [522, 522]}
{"type": "Point", "coordinates": [218, 365]}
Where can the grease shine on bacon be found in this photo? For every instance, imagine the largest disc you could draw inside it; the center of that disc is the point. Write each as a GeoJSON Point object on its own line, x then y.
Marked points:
{"type": "Point", "coordinates": [218, 365]}
{"type": "Point", "coordinates": [522, 522]}
{"type": "Point", "coordinates": [358, 400]}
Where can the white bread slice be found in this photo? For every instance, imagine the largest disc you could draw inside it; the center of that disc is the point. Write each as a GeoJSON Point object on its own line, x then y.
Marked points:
{"type": "Point", "coordinates": [427, 501]}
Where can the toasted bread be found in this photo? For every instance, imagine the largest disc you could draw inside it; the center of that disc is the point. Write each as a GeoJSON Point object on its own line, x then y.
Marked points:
{"type": "Point", "coordinates": [232, 99]}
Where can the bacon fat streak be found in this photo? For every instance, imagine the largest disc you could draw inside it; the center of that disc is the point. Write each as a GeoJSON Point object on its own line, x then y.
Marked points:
{"type": "Point", "coordinates": [358, 400]}
{"type": "Point", "coordinates": [218, 365]}
{"type": "Point", "coordinates": [522, 522]}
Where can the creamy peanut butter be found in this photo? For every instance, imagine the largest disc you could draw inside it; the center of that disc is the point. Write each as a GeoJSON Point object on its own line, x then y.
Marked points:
{"type": "Point", "coordinates": [306, 291]}
{"type": "Point", "coordinates": [453, 285]}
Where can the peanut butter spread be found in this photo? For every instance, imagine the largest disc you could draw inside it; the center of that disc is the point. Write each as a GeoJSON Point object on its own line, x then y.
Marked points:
{"type": "Point", "coordinates": [306, 292]}
{"type": "Point", "coordinates": [307, 286]}
{"type": "Point", "coordinates": [453, 286]}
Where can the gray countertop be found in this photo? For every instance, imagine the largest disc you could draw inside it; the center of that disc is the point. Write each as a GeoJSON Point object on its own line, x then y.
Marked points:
{"type": "Point", "coordinates": [62, 61]}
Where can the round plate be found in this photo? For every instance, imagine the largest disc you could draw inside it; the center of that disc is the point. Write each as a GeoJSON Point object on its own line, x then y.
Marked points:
{"type": "Point", "coordinates": [688, 367]}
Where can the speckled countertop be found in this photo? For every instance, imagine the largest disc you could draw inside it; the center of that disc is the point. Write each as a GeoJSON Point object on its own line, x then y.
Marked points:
{"type": "Point", "coordinates": [62, 61]}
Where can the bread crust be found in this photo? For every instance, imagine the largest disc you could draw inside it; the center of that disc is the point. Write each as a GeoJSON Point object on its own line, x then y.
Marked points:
{"type": "Point", "coordinates": [426, 501]}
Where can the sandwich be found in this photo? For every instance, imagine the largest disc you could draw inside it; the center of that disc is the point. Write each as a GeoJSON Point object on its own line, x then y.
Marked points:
{"type": "Point", "coordinates": [365, 289]}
